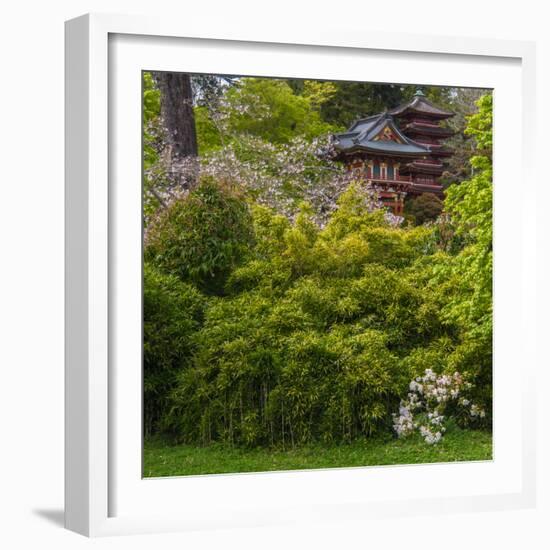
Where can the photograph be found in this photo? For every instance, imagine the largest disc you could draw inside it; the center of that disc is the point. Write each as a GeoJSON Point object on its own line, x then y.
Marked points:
{"type": "Point", "coordinates": [317, 285]}
{"type": "Point", "coordinates": [275, 275]}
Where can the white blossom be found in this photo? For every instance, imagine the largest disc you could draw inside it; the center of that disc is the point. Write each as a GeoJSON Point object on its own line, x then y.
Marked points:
{"type": "Point", "coordinates": [428, 396]}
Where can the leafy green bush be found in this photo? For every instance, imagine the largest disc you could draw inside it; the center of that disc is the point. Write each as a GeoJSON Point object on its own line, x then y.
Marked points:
{"type": "Point", "coordinates": [424, 208]}
{"type": "Point", "coordinates": [317, 337]}
{"type": "Point", "coordinates": [202, 236]}
{"type": "Point", "coordinates": [172, 313]}
{"type": "Point", "coordinates": [267, 374]}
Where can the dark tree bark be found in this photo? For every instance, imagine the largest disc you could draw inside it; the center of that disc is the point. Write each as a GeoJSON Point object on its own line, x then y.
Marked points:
{"type": "Point", "coordinates": [176, 103]}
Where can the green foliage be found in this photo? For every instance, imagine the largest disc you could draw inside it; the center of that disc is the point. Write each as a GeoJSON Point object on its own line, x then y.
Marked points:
{"type": "Point", "coordinates": [354, 231]}
{"type": "Point", "coordinates": [310, 343]}
{"type": "Point", "coordinates": [267, 373]}
{"type": "Point", "coordinates": [151, 114]}
{"type": "Point", "coordinates": [310, 332]}
{"type": "Point", "coordinates": [471, 205]}
{"type": "Point", "coordinates": [208, 135]}
{"type": "Point", "coordinates": [268, 109]}
{"type": "Point", "coordinates": [424, 208]}
{"type": "Point", "coordinates": [202, 236]}
{"type": "Point", "coordinates": [353, 100]}
{"type": "Point", "coordinates": [465, 279]}
{"type": "Point", "coordinates": [172, 312]}
{"type": "Point", "coordinates": [318, 92]}
{"type": "Point", "coordinates": [480, 126]}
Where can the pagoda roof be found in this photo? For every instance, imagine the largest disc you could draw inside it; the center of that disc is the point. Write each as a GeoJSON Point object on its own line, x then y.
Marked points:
{"type": "Point", "coordinates": [419, 104]}
{"type": "Point", "coordinates": [378, 134]}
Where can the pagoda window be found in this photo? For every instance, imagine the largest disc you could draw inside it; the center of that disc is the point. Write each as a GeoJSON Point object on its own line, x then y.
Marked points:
{"type": "Point", "coordinates": [391, 174]}
{"type": "Point", "coordinates": [376, 170]}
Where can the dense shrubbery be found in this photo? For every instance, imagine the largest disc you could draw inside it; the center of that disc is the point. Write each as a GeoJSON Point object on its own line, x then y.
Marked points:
{"type": "Point", "coordinates": [318, 331]}
{"type": "Point", "coordinates": [172, 312]}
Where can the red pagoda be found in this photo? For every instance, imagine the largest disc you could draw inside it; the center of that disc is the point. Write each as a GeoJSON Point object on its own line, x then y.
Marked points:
{"type": "Point", "coordinates": [399, 152]}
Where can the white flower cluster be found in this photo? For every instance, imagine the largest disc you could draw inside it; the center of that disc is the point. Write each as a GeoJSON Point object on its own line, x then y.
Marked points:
{"type": "Point", "coordinates": [425, 404]}
{"type": "Point", "coordinates": [431, 437]}
{"type": "Point", "coordinates": [477, 411]}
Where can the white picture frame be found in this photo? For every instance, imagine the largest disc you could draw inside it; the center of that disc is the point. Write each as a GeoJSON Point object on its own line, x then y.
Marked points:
{"type": "Point", "coordinates": [105, 493]}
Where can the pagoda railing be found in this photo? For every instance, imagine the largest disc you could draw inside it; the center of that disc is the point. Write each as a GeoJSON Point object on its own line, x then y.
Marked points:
{"type": "Point", "coordinates": [404, 179]}
{"type": "Point", "coordinates": [398, 178]}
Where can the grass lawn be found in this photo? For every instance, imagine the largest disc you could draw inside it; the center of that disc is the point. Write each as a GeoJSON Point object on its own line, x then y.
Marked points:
{"type": "Point", "coordinates": [162, 459]}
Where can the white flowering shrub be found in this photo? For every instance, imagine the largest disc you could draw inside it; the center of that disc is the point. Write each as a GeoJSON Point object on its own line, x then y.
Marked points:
{"type": "Point", "coordinates": [430, 399]}
{"type": "Point", "coordinates": [280, 177]}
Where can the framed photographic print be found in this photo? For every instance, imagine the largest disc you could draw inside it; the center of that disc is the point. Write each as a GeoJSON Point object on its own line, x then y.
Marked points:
{"type": "Point", "coordinates": [293, 291]}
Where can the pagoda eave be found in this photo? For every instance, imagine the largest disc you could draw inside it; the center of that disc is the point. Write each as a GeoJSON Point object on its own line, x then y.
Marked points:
{"type": "Point", "coordinates": [442, 152]}
{"type": "Point", "coordinates": [420, 188]}
{"type": "Point", "coordinates": [366, 151]}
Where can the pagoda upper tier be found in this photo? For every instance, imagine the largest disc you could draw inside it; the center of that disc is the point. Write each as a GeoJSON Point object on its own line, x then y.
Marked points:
{"type": "Point", "coordinates": [419, 106]}
{"type": "Point", "coordinates": [421, 120]}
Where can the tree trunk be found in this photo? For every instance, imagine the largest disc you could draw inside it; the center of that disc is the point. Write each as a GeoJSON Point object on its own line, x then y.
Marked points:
{"type": "Point", "coordinates": [178, 120]}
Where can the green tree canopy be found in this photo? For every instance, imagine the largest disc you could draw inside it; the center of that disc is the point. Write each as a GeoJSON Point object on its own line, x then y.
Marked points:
{"type": "Point", "coordinates": [264, 108]}
{"type": "Point", "coordinates": [424, 208]}
{"type": "Point", "coordinates": [470, 204]}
